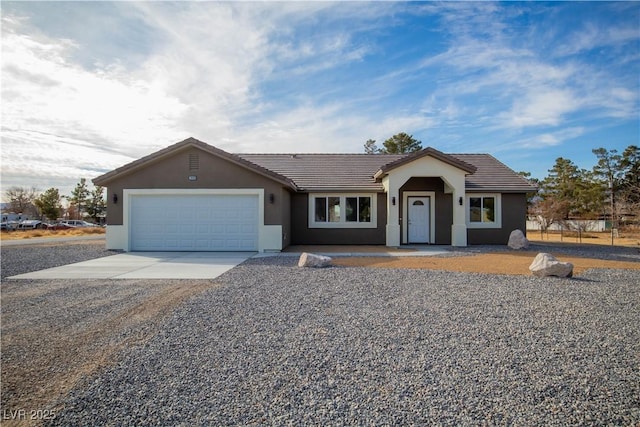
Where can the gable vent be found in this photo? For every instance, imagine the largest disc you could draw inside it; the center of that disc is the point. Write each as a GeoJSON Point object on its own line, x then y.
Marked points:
{"type": "Point", "coordinates": [194, 162]}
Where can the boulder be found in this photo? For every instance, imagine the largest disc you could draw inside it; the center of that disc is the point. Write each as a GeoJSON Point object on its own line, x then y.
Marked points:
{"type": "Point", "coordinates": [517, 240]}
{"type": "Point", "coordinates": [313, 260]}
{"type": "Point", "coordinates": [547, 265]}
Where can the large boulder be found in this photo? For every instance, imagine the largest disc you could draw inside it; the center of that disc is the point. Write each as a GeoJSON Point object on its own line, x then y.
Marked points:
{"type": "Point", "coordinates": [517, 240]}
{"type": "Point", "coordinates": [313, 260]}
{"type": "Point", "coordinates": [547, 265]}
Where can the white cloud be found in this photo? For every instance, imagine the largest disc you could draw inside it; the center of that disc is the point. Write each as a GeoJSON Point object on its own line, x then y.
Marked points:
{"type": "Point", "coordinates": [306, 129]}
{"type": "Point", "coordinates": [499, 81]}
{"type": "Point", "coordinates": [551, 139]}
{"type": "Point", "coordinates": [44, 92]}
{"type": "Point", "coordinates": [593, 36]}
{"type": "Point", "coordinates": [251, 77]}
{"type": "Point", "coordinates": [201, 76]}
{"type": "Point", "coordinates": [540, 108]}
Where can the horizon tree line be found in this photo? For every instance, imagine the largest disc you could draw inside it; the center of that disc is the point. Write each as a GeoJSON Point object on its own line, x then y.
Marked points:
{"type": "Point", "coordinates": [611, 189]}
{"type": "Point", "coordinates": [83, 202]}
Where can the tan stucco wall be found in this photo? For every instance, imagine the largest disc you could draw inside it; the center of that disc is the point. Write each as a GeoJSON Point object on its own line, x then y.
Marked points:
{"type": "Point", "coordinates": [454, 181]}
{"type": "Point", "coordinates": [213, 173]}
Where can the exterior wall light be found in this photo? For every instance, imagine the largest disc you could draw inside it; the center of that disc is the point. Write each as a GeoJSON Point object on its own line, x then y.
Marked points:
{"type": "Point", "coordinates": [461, 201]}
{"type": "Point", "coordinates": [393, 200]}
{"type": "Point", "coordinates": [115, 198]}
{"type": "Point", "coordinates": [272, 198]}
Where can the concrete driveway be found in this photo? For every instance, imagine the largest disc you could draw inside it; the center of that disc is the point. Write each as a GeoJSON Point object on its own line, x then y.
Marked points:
{"type": "Point", "coordinates": [146, 265]}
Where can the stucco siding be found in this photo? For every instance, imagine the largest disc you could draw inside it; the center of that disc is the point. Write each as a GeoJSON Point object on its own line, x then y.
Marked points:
{"type": "Point", "coordinates": [443, 206]}
{"type": "Point", "coordinates": [212, 172]}
{"type": "Point", "coordinates": [301, 234]}
{"type": "Point", "coordinates": [286, 217]}
{"type": "Point", "coordinates": [514, 216]}
{"type": "Point", "coordinates": [444, 218]}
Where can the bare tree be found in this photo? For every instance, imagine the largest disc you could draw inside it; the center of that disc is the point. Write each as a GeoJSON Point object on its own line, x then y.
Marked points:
{"type": "Point", "coordinates": [370, 147]}
{"type": "Point", "coordinates": [21, 200]}
{"type": "Point", "coordinates": [549, 211]}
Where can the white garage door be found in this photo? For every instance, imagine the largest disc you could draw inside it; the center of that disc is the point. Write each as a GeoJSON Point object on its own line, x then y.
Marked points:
{"type": "Point", "coordinates": [194, 223]}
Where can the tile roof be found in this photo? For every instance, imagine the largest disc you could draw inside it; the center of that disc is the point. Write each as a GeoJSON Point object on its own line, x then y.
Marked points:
{"type": "Point", "coordinates": [493, 175]}
{"type": "Point", "coordinates": [326, 172]}
{"type": "Point", "coordinates": [355, 172]}
{"type": "Point", "coordinates": [344, 172]}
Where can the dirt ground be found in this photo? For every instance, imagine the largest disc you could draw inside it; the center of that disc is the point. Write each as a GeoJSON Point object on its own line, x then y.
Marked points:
{"type": "Point", "coordinates": [28, 234]}
{"type": "Point", "coordinates": [623, 238]}
{"type": "Point", "coordinates": [42, 361]}
{"type": "Point", "coordinates": [493, 263]}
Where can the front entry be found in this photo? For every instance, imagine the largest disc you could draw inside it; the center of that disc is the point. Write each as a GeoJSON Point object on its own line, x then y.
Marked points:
{"type": "Point", "coordinates": [418, 231]}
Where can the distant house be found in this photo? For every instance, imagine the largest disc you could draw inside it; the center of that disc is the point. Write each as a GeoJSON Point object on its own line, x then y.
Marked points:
{"type": "Point", "coordinates": [192, 196]}
{"type": "Point", "coordinates": [15, 217]}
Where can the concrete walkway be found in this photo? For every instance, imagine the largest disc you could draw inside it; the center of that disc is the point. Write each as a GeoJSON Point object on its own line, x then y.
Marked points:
{"type": "Point", "coordinates": [146, 265]}
{"type": "Point", "coordinates": [363, 250]}
{"type": "Point", "coordinates": [203, 265]}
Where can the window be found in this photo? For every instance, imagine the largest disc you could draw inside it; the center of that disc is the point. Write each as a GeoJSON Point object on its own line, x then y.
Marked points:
{"type": "Point", "coordinates": [321, 209]}
{"type": "Point", "coordinates": [358, 209]}
{"type": "Point", "coordinates": [352, 211]}
{"type": "Point", "coordinates": [484, 211]}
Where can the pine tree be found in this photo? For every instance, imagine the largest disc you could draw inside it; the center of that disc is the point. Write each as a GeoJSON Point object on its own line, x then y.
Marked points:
{"type": "Point", "coordinates": [401, 143]}
{"type": "Point", "coordinates": [80, 196]}
{"type": "Point", "coordinates": [96, 204]}
{"type": "Point", "coordinates": [49, 203]}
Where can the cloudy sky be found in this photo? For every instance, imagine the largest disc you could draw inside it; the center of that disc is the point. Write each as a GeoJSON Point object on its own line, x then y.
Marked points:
{"type": "Point", "coordinates": [87, 87]}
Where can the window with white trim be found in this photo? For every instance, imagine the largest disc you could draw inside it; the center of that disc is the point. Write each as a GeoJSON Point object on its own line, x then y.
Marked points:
{"type": "Point", "coordinates": [484, 211]}
{"type": "Point", "coordinates": [342, 211]}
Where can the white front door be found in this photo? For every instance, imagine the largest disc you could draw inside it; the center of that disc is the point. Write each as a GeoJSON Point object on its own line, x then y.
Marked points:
{"type": "Point", "coordinates": [418, 219]}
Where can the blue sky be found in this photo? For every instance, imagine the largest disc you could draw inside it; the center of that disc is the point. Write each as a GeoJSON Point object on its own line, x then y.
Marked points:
{"type": "Point", "coordinates": [87, 87]}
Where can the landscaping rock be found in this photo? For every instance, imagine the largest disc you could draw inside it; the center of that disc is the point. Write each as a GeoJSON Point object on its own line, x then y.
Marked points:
{"type": "Point", "coordinates": [547, 265]}
{"type": "Point", "coordinates": [517, 240]}
{"type": "Point", "coordinates": [313, 260]}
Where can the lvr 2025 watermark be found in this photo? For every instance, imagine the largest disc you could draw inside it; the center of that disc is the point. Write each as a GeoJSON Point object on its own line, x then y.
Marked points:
{"type": "Point", "coordinates": [24, 414]}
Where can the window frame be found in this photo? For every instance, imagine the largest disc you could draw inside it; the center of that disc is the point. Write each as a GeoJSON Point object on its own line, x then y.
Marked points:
{"type": "Point", "coordinates": [497, 207]}
{"type": "Point", "coordinates": [343, 223]}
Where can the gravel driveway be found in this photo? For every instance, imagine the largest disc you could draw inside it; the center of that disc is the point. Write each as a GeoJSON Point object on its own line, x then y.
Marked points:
{"type": "Point", "coordinates": [275, 344]}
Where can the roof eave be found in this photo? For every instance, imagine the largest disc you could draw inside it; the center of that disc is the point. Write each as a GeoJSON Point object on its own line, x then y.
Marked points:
{"type": "Point", "coordinates": [379, 174]}
{"type": "Point", "coordinates": [501, 190]}
{"type": "Point", "coordinates": [341, 190]}
{"type": "Point", "coordinates": [431, 152]}
{"type": "Point", "coordinates": [103, 180]}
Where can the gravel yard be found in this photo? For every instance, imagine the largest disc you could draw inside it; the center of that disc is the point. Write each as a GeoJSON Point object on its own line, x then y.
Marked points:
{"type": "Point", "coordinates": [25, 259]}
{"type": "Point", "coordinates": [270, 343]}
{"type": "Point", "coordinates": [57, 333]}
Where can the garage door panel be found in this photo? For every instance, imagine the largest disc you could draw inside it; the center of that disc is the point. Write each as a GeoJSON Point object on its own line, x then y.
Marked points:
{"type": "Point", "coordinates": [232, 228]}
{"type": "Point", "coordinates": [187, 228]}
{"type": "Point", "coordinates": [194, 222]}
